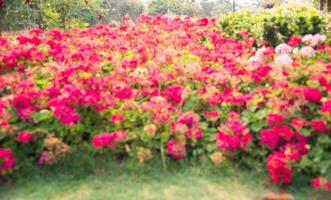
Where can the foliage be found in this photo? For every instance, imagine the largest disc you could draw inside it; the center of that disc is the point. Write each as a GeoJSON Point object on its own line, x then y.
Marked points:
{"type": "Point", "coordinates": [177, 7]}
{"type": "Point", "coordinates": [276, 25]}
{"type": "Point", "coordinates": [17, 14]}
{"type": "Point", "coordinates": [116, 10]}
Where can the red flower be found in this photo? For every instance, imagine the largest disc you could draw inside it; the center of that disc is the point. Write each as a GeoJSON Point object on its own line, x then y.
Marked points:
{"type": "Point", "coordinates": [173, 94]}
{"type": "Point", "coordinates": [108, 139]}
{"type": "Point", "coordinates": [176, 150]}
{"type": "Point", "coordinates": [7, 160]}
{"type": "Point", "coordinates": [24, 137]}
{"type": "Point", "coordinates": [212, 115]}
{"type": "Point", "coordinates": [298, 122]}
{"type": "Point", "coordinates": [319, 125]}
{"type": "Point", "coordinates": [326, 107]}
{"type": "Point", "coordinates": [117, 118]}
{"type": "Point", "coordinates": [294, 41]}
{"type": "Point", "coordinates": [321, 183]}
{"type": "Point", "coordinates": [232, 135]}
{"type": "Point", "coordinates": [270, 137]}
{"type": "Point", "coordinates": [312, 94]}
{"type": "Point", "coordinates": [277, 167]}
{"type": "Point", "coordinates": [275, 119]}
{"type": "Point", "coordinates": [294, 151]}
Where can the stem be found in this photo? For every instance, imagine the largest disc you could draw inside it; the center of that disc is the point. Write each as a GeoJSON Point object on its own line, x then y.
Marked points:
{"type": "Point", "coordinates": [164, 163]}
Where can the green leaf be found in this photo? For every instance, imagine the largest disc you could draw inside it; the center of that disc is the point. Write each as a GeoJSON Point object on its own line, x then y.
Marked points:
{"type": "Point", "coordinates": [42, 116]}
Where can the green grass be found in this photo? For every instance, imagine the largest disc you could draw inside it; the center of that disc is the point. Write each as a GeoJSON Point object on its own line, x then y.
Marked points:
{"type": "Point", "coordinates": [84, 178]}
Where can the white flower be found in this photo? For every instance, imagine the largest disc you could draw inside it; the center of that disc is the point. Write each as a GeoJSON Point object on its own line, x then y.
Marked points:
{"type": "Point", "coordinates": [283, 60]}
{"type": "Point", "coordinates": [307, 52]}
{"type": "Point", "coordinates": [283, 49]}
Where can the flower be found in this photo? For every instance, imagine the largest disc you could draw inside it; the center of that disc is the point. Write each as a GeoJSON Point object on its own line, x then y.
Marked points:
{"type": "Point", "coordinates": [278, 169]}
{"type": "Point", "coordinates": [283, 60]}
{"type": "Point", "coordinates": [175, 149]}
{"type": "Point", "coordinates": [313, 40]}
{"type": "Point", "coordinates": [270, 137]}
{"type": "Point", "coordinates": [212, 115]}
{"type": "Point", "coordinates": [312, 94]}
{"type": "Point", "coordinates": [321, 183]}
{"type": "Point", "coordinates": [283, 49]}
{"type": "Point", "coordinates": [108, 140]}
{"type": "Point", "coordinates": [294, 151]}
{"type": "Point", "coordinates": [150, 129]}
{"type": "Point", "coordinates": [173, 93]}
{"type": "Point", "coordinates": [217, 158]}
{"type": "Point", "coordinates": [117, 118]}
{"type": "Point", "coordinates": [307, 52]}
{"type": "Point", "coordinates": [274, 119]}
{"type": "Point", "coordinates": [24, 136]}
{"type": "Point", "coordinates": [143, 155]}
{"type": "Point", "coordinates": [294, 41]}
{"type": "Point", "coordinates": [232, 135]}
{"type": "Point", "coordinates": [298, 122]}
{"type": "Point", "coordinates": [319, 125]}
{"type": "Point", "coordinates": [326, 107]}
{"type": "Point", "coordinates": [7, 160]}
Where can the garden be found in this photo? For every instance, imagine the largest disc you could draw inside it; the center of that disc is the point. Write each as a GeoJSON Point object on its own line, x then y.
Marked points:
{"type": "Point", "coordinates": [168, 106]}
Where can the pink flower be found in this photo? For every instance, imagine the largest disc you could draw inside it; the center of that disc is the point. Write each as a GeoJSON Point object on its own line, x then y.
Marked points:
{"type": "Point", "coordinates": [233, 135]}
{"type": "Point", "coordinates": [312, 94]}
{"type": "Point", "coordinates": [24, 136]}
{"type": "Point", "coordinates": [283, 60]}
{"type": "Point", "coordinates": [278, 169]}
{"type": "Point", "coordinates": [326, 107]}
{"type": "Point", "coordinates": [321, 183]}
{"type": "Point", "coordinates": [274, 119]}
{"type": "Point", "coordinates": [173, 94]}
{"type": "Point", "coordinates": [294, 41]}
{"type": "Point", "coordinates": [294, 151]}
{"type": "Point", "coordinates": [176, 150]}
{"type": "Point", "coordinates": [319, 125]}
{"type": "Point", "coordinates": [307, 52]}
{"type": "Point", "coordinates": [42, 157]}
{"type": "Point", "coordinates": [7, 160]}
{"type": "Point", "coordinates": [117, 118]}
{"type": "Point", "coordinates": [270, 137]}
{"type": "Point", "coordinates": [108, 140]}
{"type": "Point", "coordinates": [212, 115]}
{"type": "Point", "coordinates": [283, 49]}
{"type": "Point", "coordinates": [298, 122]}
{"type": "Point", "coordinates": [313, 40]}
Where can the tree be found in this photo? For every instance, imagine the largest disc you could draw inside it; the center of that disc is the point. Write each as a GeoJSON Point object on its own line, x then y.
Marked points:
{"type": "Point", "coordinates": [116, 10]}
{"type": "Point", "coordinates": [208, 6]}
{"type": "Point", "coordinates": [178, 7]}
{"type": "Point", "coordinates": [222, 7]}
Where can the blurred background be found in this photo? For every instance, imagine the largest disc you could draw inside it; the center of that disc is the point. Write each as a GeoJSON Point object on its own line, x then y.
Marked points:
{"type": "Point", "coordinates": [25, 14]}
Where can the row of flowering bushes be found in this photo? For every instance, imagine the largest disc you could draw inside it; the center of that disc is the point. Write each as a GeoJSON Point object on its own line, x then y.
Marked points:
{"type": "Point", "coordinates": [277, 25]}
{"type": "Point", "coordinates": [171, 86]}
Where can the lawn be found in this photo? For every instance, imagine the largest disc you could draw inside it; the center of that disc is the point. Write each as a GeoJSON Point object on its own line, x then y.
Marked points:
{"type": "Point", "coordinates": [83, 178]}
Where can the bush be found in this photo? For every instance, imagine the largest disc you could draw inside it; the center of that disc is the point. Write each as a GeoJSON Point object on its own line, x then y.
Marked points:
{"type": "Point", "coordinates": [276, 25]}
{"type": "Point", "coordinates": [170, 86]}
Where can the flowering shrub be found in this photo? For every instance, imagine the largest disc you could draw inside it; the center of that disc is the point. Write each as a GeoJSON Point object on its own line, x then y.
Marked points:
{"type": "Point", "coordinates": [277, 25]}
{"type": "Point", "coordinates": [168, 85]}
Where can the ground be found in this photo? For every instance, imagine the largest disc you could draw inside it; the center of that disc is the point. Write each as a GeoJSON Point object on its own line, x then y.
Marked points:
{"type": "Point", "coordinates": [89, 179]}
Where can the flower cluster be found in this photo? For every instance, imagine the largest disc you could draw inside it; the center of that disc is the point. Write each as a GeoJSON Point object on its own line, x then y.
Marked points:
{"type": "Point", "coordinates": [321, 183]}
{"type": "Point", "coordinates": [7, 161]}
{"type": "Point", "coordinates": [175, 149]}
{"type": "Point", "coordinates": [233, 134]}
{"type": "Point", "coordinates": [108, 140]}
{"type": "Point", "coordinates": [55, 149]}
